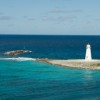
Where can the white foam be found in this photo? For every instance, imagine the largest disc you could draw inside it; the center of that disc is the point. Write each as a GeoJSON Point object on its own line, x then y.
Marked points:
{"type": "Point", "coordinates": [19, 59]}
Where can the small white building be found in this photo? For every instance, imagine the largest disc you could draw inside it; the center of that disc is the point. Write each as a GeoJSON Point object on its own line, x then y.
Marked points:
{"type": "Point", "coordinates": [88, 56]}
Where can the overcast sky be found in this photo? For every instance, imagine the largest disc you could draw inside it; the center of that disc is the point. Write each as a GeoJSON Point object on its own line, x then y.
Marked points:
{"type": "Point", "coordinates": [50, 17]}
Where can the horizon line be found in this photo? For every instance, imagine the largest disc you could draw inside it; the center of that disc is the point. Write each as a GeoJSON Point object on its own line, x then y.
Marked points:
{"type": "Point", "coordinates": [57, 34]}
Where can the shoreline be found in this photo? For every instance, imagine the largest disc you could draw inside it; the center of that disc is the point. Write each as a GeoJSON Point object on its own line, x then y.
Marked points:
{"type": "Point", "coordinates": [74, 63]}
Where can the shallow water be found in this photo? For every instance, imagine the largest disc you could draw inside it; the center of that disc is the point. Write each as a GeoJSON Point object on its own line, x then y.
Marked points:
{"type": "Point", "coordinates": [28, 80]}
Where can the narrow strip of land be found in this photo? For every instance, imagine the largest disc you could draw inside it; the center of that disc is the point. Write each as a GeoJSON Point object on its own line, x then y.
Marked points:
{"type": "Point", "coordinates": [93, 64]}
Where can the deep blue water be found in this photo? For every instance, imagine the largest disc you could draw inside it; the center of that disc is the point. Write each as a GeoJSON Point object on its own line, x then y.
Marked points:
{"type": "Point", "coordinates": [61, 47]}
{"type": "Point", "coordinates": [32, 80]}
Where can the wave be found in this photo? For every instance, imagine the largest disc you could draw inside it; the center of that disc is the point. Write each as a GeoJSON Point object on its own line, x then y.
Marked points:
{"type": "Point", "coordinates": [19, 59]}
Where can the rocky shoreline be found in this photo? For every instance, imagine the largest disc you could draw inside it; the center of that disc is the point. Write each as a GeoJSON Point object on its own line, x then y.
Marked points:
{"type": "Point", "coordinates": [16, 52]}
{"type": "Point", "coordinates": [82, 64]}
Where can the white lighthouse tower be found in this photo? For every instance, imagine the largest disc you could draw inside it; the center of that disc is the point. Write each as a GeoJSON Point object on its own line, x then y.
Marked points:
{"type": "Point", "coordinates": [88, 56]}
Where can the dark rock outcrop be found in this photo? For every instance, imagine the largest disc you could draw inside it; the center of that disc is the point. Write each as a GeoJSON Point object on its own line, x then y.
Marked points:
{"type": "Point", "coordinates": [16, 52]}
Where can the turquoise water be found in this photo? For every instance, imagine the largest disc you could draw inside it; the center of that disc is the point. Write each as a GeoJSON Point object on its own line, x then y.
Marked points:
{"type": "Point", "coordinates": [32, 80]}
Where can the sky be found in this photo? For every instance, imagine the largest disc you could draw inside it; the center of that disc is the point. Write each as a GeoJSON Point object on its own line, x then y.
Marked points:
{"type": "Point", "coordinates": [50, 17]}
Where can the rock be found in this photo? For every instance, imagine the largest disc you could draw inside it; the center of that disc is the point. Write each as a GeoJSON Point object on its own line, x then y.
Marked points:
{"type": "Point", "coordinates": [16, 52]}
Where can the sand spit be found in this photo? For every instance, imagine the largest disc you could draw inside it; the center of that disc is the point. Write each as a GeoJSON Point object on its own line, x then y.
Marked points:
{"type": "Point", "coordinates": [79, 63]}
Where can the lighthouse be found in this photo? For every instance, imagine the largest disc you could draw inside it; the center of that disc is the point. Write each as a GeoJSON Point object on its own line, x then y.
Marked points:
{"type": "Point", "coordinates": [88, 56]}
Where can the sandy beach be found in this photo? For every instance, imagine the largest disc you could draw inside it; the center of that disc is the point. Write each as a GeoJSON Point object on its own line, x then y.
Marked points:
{"type": "Point", "coordinates": [79, 63]}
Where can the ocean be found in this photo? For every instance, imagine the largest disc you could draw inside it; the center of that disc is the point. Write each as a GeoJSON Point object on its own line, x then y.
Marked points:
{"type": "Point", "coordinates": [33, 80]}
